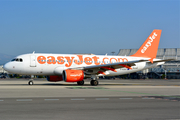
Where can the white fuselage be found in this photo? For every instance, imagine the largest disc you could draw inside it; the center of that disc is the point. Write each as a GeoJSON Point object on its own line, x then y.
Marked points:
{"type": "Point", "coordinates": [54, 64]}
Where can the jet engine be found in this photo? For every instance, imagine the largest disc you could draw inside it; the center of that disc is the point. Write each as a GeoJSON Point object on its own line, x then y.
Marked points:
{"type": "Point", "coordinates": [54, 78]}
{"type": "Point", "coordinates": [73, 75]}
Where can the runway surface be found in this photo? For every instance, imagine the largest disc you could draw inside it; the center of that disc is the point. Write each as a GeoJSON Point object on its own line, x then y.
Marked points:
{"type": "Point", "coordinates": [111, 99]}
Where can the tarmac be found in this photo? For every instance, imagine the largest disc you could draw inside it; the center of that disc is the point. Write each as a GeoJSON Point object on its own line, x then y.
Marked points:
{"type": "Point", "coordinates": [111, 99]}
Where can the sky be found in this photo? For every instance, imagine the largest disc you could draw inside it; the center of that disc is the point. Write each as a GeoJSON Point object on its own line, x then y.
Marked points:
{"type": "Point", "coordinates": [85, 26]}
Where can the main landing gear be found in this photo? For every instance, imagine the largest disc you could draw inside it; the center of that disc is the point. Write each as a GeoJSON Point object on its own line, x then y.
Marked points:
{"type": "Point", "coordinates": [93, 82]}
{"type": "Point", "coordinates": [80, 82]}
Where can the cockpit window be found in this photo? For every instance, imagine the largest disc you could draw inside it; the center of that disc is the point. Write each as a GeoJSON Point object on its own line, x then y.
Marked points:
{"type": "Point", "coordinates": [17, 60]}
{"type": "Point", "coordinates": [13, 60]}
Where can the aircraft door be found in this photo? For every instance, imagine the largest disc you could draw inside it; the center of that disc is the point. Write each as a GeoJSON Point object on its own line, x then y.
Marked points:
{"type": "Point", "coordinates": [32, 61]}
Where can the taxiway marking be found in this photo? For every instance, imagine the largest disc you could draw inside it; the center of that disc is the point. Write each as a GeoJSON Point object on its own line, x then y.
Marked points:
{"type": "Point", "coordinates": [51, 99]}
{"type": "Point", "coordinates": [78, 99]}
{"type": "Point", "coordinates": [24, 100]}
{"type": "Point", "coordinates": [102, 98]}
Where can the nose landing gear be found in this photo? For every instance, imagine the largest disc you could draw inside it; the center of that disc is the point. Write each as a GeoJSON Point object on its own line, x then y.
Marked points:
{"type": "Point", "coordinates": [31, 82]}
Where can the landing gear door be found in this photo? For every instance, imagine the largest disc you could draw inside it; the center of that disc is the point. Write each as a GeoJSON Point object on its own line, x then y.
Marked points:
{"type": "Point", "coordinates": [32, 61]}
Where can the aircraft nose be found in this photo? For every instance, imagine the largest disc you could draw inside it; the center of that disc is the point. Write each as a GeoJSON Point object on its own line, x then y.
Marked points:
{"type": "Point", "coordinates": [6, 66]}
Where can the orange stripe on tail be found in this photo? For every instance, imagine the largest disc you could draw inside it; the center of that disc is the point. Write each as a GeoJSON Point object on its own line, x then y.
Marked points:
{"type": "Point", "coordinates": [150, 46]}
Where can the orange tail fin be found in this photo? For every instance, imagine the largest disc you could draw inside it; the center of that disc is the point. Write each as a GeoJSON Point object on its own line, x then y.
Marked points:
{"type": "Point", "coordinates": [150, 46]}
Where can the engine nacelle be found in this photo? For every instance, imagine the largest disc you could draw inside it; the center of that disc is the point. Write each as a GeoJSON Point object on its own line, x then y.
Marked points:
{"type": "Point", "coordinates": [58, 71]}
{"type": "Point", "coordinates": [73, 75]}
{"type": "Point", "coordinates": [54, 78]}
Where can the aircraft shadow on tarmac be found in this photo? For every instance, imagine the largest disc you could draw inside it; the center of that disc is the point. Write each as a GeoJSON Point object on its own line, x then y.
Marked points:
{"type": "Point", "coordinates": [42, 82]}
{"type": "Point", "coordinates": [61, 84]}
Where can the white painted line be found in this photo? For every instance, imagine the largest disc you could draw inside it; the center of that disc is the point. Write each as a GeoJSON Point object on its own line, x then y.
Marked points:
{"type": "Point", "coordinates": [1, 100]}
{"type": "Point", "coordinates": [148, 98]}
{"type": "Point", "coordinates": [102, 98]}
{"type": "Point", "coordinates": [78, 99]}
{"type": "Point", "coordinates": [24, 100]}
{"type": "Point", "coordinates": [51, 99]}
{"type": "Point", "coordinates": [125, 98]}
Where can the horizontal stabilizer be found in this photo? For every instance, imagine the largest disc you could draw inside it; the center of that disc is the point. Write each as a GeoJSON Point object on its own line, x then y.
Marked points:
{"type": "Point", "coordinates": [163, 60]}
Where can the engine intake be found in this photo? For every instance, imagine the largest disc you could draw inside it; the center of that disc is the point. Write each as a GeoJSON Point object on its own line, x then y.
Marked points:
{"type": "Point", "coordinates": [73, 75]}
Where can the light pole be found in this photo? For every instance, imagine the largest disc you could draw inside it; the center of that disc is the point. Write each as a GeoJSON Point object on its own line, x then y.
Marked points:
{"type": "Point", "coordinates": [165, 73]}
{"type": "Point", "coordinates": [112, 53]}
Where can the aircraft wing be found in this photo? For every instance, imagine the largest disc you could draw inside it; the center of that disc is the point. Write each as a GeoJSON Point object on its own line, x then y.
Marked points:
{"type": "Point", "coordinates": [100, 69]}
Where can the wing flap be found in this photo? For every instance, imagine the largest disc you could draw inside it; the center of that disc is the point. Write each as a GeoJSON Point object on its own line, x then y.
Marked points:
{"type": "Point", "coordinates": [102, 69]}
{"type": "Point", "coordinates": [114, 65]}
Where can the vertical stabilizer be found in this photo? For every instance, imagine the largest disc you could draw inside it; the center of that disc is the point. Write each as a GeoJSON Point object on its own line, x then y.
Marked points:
{"type": "Point", "coordinates": [150, 46]}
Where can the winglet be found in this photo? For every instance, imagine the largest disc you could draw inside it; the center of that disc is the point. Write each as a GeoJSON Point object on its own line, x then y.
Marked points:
{"type": "Point", "coordinates": [150, 46]}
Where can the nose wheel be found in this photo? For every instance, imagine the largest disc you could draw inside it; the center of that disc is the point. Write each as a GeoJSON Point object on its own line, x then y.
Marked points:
{"type": "Point", "coordinates": [31, 82]}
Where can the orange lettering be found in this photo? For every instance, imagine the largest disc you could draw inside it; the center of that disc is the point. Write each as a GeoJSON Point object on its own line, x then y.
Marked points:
{"type": "Point", "coordinates": [69, 60]}
{"type": "Point", "coordinates": [96, 60]}
{"type": "Point", "coordinates": [51, 60]}
{"type": "Point", "coordinates": [112, 59]}
{"type": "Point", "coordinates": [122, 59]}
{"type": "Point", "coordinates": [80, 61]}
{"type": "Point", "coordinates": [41, 59]}
{"type": "Point", "coordinates": [60, 60]}
{"type": "Point", "coordinates": [104, 60]}
{"type": "Point", "coordinates": [88, 60]}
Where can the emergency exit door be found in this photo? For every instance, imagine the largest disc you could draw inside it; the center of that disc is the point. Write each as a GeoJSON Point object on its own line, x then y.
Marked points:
{"type": "Point", "coordinates": [32, 61]}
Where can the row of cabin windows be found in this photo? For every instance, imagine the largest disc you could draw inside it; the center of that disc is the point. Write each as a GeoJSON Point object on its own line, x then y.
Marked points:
{"type": "Point", "coordinates": [21, 60]}
{"type": "Point", "coordinates": [17, 59]}
{"type": "Point", "coordinates": [74, 61]}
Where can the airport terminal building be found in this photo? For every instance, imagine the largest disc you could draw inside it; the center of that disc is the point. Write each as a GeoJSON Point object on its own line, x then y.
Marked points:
{"type": "Point", "coordinates": [170, 70]}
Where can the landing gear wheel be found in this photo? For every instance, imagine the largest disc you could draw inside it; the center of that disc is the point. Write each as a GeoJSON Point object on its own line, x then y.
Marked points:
{"type": "Point", "coordinates": [80, 82]}
{"type": "Point", "coordinates": [31, 82]}
{"type": "Point", "coordinates": [94, 82]}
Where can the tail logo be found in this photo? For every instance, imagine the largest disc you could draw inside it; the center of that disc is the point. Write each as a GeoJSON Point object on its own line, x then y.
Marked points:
{"type": "Point", "coordinates": [148, 44]}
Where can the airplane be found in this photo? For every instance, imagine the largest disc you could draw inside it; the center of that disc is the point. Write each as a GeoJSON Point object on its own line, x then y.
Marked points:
{"type": "Point", "coordinates": [77, 67]}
